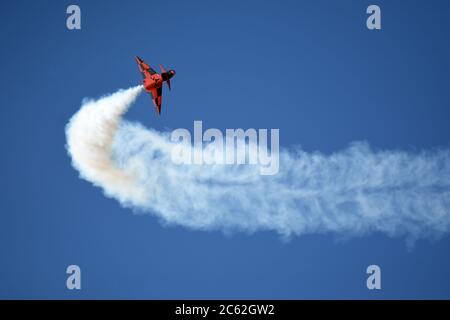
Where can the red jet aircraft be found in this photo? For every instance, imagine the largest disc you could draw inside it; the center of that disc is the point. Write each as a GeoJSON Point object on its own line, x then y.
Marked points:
{"type": "Point", "coordinates": [153, 81]}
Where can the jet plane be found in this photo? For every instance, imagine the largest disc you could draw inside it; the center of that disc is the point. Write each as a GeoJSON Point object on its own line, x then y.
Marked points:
{"type": "Point", "coordinates": [153, 81]}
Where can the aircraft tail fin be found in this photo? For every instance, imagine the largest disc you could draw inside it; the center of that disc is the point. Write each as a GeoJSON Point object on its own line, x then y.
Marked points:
{"type": "Point", "coordinates": [165, 75]}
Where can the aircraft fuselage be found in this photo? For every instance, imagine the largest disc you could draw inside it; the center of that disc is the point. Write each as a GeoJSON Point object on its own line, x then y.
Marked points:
{"type": "Point", "coordinates": [153, 81]}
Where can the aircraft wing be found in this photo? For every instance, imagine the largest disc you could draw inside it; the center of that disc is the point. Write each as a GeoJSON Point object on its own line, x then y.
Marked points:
{"type": "Point", "coordinates": [144, 67]}
{"type": "Point", "coordinates": [157, 98]}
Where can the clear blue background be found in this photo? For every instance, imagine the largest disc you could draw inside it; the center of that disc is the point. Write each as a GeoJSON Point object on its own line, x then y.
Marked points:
{"type": "Point", "coordinates": [310, 68]}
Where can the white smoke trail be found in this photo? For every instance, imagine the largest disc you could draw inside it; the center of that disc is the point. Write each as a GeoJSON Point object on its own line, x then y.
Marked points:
{"type": "Point", "coordinates": [90, 135]}
{"type": "Point", "coordinates": [350, 192]}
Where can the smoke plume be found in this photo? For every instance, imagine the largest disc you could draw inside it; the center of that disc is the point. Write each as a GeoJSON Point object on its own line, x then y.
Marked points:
{"type": "Point", "coordinates": [350, 192]}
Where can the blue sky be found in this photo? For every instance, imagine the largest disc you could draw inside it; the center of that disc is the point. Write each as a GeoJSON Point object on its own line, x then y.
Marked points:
{"type": "Point", "coordinates": [310, 68]}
